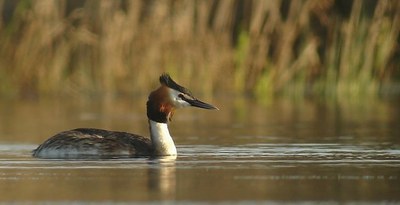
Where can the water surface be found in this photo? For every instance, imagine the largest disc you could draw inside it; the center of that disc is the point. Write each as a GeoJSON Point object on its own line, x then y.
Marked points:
{"type": "Point", "coordinates": [276, 152]}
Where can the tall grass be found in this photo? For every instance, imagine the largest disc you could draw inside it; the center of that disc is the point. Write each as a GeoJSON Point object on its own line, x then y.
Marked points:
{"type": "Point", "coordinates": [258, 47]}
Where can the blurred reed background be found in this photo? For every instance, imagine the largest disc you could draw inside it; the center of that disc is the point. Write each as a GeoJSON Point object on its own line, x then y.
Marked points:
{"type": "Point", "coordinates": [264, 48]}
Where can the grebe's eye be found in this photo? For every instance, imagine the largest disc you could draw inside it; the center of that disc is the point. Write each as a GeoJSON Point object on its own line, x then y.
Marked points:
{"type": "Point", "coordinates": [184, 96]}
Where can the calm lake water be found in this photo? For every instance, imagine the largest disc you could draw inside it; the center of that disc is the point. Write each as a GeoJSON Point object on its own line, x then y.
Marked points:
{"type": "Point", "coordinates": [276, 152]}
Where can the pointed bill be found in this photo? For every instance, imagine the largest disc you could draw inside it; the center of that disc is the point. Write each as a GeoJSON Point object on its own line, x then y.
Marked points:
{"type": "Point", "coordinates": [200, 104]}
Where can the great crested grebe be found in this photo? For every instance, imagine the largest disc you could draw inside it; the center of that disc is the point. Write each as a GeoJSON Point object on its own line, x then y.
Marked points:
{"type": "Point", "coordinates": [98, 143]}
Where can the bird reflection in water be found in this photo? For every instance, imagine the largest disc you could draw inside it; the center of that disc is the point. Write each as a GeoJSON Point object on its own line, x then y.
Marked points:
{"type": "Point", "coordinates": [162, 177]}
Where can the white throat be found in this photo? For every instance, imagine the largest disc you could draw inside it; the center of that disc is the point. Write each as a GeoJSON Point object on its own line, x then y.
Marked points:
{"type": "Point", "coordinates": [163, 144]}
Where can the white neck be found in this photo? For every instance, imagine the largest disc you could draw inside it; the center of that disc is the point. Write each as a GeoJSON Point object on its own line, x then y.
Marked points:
{"type": "Point", "coordinates": [163, 144]}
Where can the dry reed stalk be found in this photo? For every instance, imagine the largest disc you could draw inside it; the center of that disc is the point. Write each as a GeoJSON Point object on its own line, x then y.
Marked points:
{"type": "Point", "coordinates": [260, 40]}
{"type": "Point", "coordinates": [347, 55]}
{"type": "Point", "coordinates": [387, 52]}
{"type": "Point", "coordinates": [372, 38]}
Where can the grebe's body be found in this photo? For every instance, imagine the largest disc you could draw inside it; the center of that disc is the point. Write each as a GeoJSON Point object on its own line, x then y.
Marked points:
{"type": "Point", "coordinates": [98, 143]}
{"type": "Point", "coordinates": [93, 143]}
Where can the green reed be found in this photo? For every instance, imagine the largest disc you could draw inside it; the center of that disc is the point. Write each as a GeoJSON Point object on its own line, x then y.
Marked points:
{"type": "Point", "coordinates": [262, 48]}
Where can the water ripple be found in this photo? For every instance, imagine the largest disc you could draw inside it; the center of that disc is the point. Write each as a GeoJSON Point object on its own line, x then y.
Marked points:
{"type": "Point", "coordinates": [249, 155]}
{"type": "Point", "coordinates": [296, 153]}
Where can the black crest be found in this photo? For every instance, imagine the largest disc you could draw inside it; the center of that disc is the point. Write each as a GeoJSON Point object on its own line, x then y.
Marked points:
{"type": "Point", "coordinates": [165, 79]}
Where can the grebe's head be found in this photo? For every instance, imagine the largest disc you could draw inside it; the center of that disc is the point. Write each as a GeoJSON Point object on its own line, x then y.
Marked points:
{"type": "Point", "coordinates": [168, 97]}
